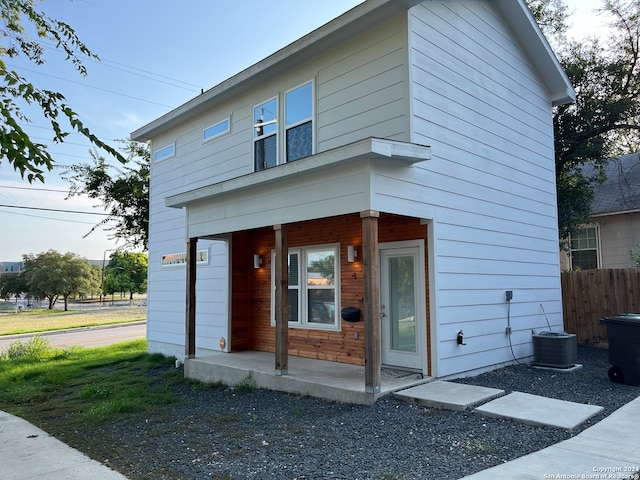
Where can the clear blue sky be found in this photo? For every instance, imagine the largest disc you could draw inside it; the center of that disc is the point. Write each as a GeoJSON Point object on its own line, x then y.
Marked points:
{"type": "Point", "coordinates": [155, 55]}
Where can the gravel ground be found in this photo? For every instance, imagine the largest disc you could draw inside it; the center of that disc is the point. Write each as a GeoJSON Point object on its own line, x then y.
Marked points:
{"type": "Point", "coordinates": [247, 433]}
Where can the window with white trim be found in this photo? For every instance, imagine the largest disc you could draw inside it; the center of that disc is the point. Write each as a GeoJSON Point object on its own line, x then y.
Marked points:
{"type": "Point", "coordinates": [584, 248]}
{"type": "Point", "coordinates": [299, 122]}
{"type": "Point", "coordinates": [165, 152]}
{"type": "Point", "coordinates": [216, 130]}
{"type": "Point", "coordinates": [265, 135]}
{"type": "Point", "coordinates": [296, 129]}
{"type": "Point", "coordinates": [313, 287]}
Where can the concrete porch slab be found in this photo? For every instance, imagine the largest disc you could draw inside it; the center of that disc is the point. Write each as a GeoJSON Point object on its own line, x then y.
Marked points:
{"type": "Point", "coordinates": [317, 378]}
{"type": "Point", "coordinates": [448, 395]}
{"type": "Point", "coordinates": [536, 410]}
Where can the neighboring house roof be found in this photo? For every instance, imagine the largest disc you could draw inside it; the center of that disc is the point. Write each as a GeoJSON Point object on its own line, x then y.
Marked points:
{"type": "Point", "coordinates": [620, 192]}
{"type": "Point", "coordinates": [516, 15]}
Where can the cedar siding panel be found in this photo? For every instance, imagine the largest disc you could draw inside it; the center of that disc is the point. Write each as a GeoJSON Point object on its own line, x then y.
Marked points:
{"type": "Point", "coordinates": [252, 327]}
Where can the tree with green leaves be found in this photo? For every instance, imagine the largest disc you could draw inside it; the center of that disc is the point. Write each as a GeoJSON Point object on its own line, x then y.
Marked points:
{"type": "Point", "coordinates": [121, 189]}
{"type": "Point", "coordinates": [29, 158]}
{"type": "Point", "coordinates": [12, 285]}
{"type": "Point", "coordinates": [604, 121]}
{"type": "Point", "coordinates": [50, 275]}
{"type": "Point", "coordinates": [126, 273]}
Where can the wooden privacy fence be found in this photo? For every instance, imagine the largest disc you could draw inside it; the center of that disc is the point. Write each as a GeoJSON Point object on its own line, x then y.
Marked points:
{"type": "Point", "coordinates": [590, 295]}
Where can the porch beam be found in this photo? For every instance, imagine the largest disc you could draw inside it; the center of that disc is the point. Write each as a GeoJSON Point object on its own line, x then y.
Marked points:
{"type": "Point", "coordinates": [372, 353]}
{"type": "Point", "coordinates": [190, 323]}
{"type": "Point", "coordinates": [282, 300]}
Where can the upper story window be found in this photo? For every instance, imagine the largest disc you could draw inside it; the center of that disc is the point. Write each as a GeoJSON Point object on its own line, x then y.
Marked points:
{"type": "Point", "coordinates": [296, 130]}
{"type": "Point", "coordinates": [216, 130]}
{"type": "Point", "coordinates": [584, 248]}
{"type": "Point", "coordinates": [265, 135]}
{"type": "Point", "coordinates": [165, 152]}
{"type": "Point", "coordinates": [299, 122]}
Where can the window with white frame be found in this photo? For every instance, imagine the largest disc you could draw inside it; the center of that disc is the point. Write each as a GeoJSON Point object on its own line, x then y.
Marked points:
{"type": "Point", "coordinates": [216, 130]}
{"type": "Point", "coordinates": [299, 122]}
{"type": "Point", "coordinates": [297, 128]}
{"type": "Point", "coordinates": [313, 287]}
{"type": "Point", "coordinates": [584, 248]}
{"type": "Point", "coordinates": [265, 135]}
{"type": "Point", "coordinates": [165, 152]}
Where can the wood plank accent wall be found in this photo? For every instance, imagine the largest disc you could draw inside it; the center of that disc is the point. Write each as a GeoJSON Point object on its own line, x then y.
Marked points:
{"type": "Point", "coordinates": [590, 295]}
{"type": "Point", "coordinates": [251, 288]}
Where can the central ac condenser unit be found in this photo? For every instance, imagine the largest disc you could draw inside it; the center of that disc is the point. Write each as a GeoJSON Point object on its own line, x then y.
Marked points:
{"type": "Point", "coordinates": [555, 349]}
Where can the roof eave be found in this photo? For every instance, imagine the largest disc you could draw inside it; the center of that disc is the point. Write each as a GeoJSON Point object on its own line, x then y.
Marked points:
{"type": "Point", "coordinates": [331, 33]}
{"type": "Point", "coordinates": [538, 50]}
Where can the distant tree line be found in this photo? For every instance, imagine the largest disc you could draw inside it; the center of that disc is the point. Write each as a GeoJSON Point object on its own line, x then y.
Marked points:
{"type": "Point", "coordinates": [51, 276]}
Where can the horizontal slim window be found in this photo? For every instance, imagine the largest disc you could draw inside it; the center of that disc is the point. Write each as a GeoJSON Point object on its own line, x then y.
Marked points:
{"type": "Point", "coordinates": [216, 130]}
{"type": "Point", "coordinates": [165, 152]}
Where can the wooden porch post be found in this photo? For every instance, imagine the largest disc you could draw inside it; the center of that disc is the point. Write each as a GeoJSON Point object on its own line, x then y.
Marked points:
{"type": "Point", "coordinates": [282, 300]}
{"type": "Point", "coordinates": [190, 327]}
{"type": "Point", "coordinates": [372, 354]}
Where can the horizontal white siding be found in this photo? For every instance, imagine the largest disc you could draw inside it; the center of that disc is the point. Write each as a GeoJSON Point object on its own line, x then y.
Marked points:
{"type": "Point", "coordinates": [364, 79]}
{"type": "Point", "coordinates": [489, 188]}
{"type": "Point", "coordinates": [314, 195]}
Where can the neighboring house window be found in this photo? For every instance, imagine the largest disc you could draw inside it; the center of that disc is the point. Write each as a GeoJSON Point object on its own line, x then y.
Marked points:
{"type": "Point", "coordinates": [265, 135]}
{"type": "Point", "coordinates": [312, 277]}
{"type": "Point", "coordinates": [299, 122]}
{"type": "Point", "coordinates": [297, 128]}
{"type": "Point", "coordinates": [216, 130]}
{"type": "Point", "coordinates": [584, 249]}
{"type": "Point", "coordinates": [165, 152]}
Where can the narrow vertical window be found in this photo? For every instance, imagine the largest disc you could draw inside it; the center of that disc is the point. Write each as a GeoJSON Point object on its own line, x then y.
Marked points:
{"type": "Point", "coordinates": [299, 122]}
{"type": "Point", "coordinates": [294, 287]}
{"type": "Point", "coordinates": [265, 135]}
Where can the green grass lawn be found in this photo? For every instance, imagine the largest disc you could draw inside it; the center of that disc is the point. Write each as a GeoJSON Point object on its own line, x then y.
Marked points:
{"type": "Point", "coordinates": [13, 321]}
{"type": "Point", "coordinates": [81, 385]}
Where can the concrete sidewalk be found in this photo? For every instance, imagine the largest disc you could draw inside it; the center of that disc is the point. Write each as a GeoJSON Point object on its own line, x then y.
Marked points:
{"type": "Point", "coordinates": [607, 450]}
{"type": "Point", "coordinates": [26, 452]}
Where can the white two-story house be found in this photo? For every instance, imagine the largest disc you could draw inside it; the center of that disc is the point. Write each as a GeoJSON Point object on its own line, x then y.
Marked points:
{"type": "Point", "coordinates": [367, 195]}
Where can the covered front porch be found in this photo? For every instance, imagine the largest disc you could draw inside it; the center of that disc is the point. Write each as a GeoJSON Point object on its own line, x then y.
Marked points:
{"type": "Point", "coordinates": [334, 381]}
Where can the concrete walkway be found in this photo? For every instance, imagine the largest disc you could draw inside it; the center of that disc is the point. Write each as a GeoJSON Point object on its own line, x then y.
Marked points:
{"type": "Point", "coordinates": [26, 453]}
{"type": "Point", "coordinates": [491, 402]}
{"type": "Point", "coordinates": [608, 450]}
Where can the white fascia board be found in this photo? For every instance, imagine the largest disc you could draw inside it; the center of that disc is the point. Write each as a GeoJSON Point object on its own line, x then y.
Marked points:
{"type": "Point", "coordinates": [369, 148]}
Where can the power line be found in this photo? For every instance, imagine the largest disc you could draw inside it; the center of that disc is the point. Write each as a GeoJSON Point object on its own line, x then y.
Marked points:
{"type": "Point", "coordinates": [35, 188]}
{"type": "Point", "coordinates": [89, 86]}
{"type": "Point", "coordinates": [55, 210]}
{"type": "Point", "coordinates": [105, 62]}
{"type": "Point", "coordinates": [47, 218]}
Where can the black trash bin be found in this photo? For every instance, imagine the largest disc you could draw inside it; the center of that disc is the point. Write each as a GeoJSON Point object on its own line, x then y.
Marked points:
{"type": "Point", "coordinates": [624, 347]}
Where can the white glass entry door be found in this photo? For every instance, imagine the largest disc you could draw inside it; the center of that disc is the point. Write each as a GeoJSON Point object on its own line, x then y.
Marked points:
{"type": "Point", "coordinates": [402, 307]}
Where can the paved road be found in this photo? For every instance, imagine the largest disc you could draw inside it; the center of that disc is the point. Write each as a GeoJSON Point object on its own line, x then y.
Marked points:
{"type": "Point", "coordinates": [90, 337]}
